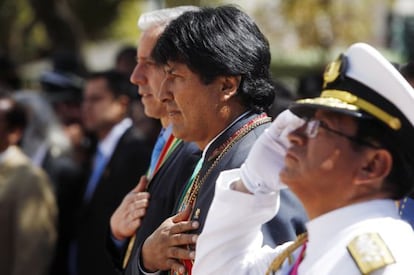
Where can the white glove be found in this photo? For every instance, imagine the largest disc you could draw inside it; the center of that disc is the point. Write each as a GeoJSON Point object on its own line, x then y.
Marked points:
{"type": "Point", "coordinates": [260, 171]}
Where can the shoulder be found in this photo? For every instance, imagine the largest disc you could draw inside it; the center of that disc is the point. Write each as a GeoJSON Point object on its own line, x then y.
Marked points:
{"type": "Point", "coordinates": [370, 252]}
{"type": "Point", "coordinates": [17, 163]}
{"type": "Point", "coordinates": [250, 137]}
{"type": "Point", "coordinates": [187, 151]}
{"type": "Point", "coordinates": [386, 249]}
{"type": "Point", "coordinates": [190, 148]}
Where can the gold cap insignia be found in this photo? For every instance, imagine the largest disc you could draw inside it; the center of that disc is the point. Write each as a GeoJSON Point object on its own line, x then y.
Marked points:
{"type": "Point", "coordinates": [333, 70]}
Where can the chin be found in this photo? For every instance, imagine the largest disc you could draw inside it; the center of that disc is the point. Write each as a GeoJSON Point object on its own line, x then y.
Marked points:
{"type": "Point", "coordinates": [181, 133]}
{"type": "Point", "coordinates": [287, 176]}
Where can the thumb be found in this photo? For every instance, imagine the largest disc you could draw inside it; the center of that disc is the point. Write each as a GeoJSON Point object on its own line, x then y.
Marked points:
{"type": "Point", "coordinates": [183, 215]}
{"type": "Point", "coordinates": [141, 186]}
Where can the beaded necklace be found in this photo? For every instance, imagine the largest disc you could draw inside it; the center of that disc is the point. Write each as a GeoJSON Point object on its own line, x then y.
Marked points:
{"type": "Point", "coordinates": [190, 195]}
{"type": "Point", "coordinates": [193, 186]}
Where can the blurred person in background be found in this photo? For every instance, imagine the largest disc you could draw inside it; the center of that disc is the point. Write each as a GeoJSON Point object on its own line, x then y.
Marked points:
{"type": "Point", "coordinates": [121, 157]}
{"type": "Point", "coordinates": [9, 77]}
{"type": "Point", "coordinates": [47, 145]}
{"type": "Point", "coordinates": [63, 87]}
{"type": "Point", "coordinates": [125, 60]}
{"type": "Point", "coordinates": [27, 203]}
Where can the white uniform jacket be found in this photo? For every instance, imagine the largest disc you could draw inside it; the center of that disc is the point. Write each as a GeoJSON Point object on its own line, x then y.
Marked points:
{"type": "Point", "coordinates": [231, 241]}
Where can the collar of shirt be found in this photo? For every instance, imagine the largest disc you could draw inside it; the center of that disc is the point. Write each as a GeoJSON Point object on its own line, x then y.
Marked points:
{"type": "Point", "coordinates": [231, 124]}
{"type": "Point", "coordinates": [167, 133]}
{"type": "Point", "coordinates": [108, 144]}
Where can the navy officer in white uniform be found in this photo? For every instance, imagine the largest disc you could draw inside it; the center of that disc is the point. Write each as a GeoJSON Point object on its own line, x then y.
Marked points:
{"type": "Point", "coordinates": [348, 158]}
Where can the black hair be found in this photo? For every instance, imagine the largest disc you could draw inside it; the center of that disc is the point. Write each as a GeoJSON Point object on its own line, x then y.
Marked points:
{"type": "Point", "coordinates": [9, 77]}
{"type": "Point", "coordinates": [118, 83]}
{"type": "Point", "coordinates": [407, 70]}
{"type": "Point", "coordinates": [399, 181]}
{"type": "Point", "coordinates": [16, 115]}
{"type": "Point", "coordinates": [127, 52]}
{"type": "Point", "coordinates": [222, 41]}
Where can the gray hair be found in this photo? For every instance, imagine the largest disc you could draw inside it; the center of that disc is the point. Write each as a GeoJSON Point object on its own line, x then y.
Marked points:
{"type": "Point", "coordinates": [162, 17]}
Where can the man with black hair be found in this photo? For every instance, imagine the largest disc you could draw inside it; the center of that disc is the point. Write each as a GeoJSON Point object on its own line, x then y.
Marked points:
{"type": "Point", "coordinates": [121, 157]}
{"type": "Point", "coordinates": [217, 89]}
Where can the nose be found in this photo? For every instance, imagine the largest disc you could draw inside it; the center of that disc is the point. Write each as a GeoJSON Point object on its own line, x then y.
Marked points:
{"type": "Point", "coordinates": [298, 137]}
{"type": "Point", "coordinates": [138, 77]}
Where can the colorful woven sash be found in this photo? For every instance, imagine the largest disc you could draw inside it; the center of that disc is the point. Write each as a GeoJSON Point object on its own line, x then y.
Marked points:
{"type": "Point", "coordinates": [169, 147]}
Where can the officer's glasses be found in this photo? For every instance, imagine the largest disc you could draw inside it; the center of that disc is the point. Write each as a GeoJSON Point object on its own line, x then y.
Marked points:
{"type": "Point", "coordinates": [312, 128]}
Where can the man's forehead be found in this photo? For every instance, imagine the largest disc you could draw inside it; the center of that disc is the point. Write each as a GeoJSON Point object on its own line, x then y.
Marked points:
{"type": "Point", "coordinates": [146, 43]}
{"type": "Point", "coordinates": [176, 65]}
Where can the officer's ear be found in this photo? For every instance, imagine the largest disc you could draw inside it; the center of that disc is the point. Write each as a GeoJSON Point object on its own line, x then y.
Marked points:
{"type": "Point", "coordinates": [375, 167]}
{"type": "Point", "coordinates": [230, 85]}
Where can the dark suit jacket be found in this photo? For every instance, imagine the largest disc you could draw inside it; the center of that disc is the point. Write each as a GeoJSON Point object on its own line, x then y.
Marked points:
{"type": "Point", "coordinates": [234, 158]}
{"type": "Point", "coordinates": [67, 178]}
{"type": "Point", "coordinates": [165, 189]}
{"type": "Point", "coordinates": [129, 161]}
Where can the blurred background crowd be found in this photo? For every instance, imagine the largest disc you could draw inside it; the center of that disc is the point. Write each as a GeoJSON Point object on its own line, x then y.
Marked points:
{"type": "Point", "coordinates": [73, 37]}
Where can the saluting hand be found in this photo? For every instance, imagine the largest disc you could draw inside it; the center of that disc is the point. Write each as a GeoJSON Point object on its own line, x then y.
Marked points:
{"type": "Point", "coordinates": [260, 172]}
{"type": "Point", "coordinates": [163, 249]}
{"type": "Point", "coordinates": [127, 217]}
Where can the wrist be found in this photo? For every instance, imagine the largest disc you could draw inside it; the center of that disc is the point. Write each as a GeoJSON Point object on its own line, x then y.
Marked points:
{"type": "Point", "coordinates": [238, 185]}
{"type": "Point", "coordinates": [116, 234]}
{"type": "Point", "coordinates": [145, 259]}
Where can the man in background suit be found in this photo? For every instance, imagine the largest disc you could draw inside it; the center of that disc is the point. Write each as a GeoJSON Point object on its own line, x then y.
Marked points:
{"type": "Point", "coordinates": [27, 204]}
{"type": "Point", "coordinates": [121, 157]}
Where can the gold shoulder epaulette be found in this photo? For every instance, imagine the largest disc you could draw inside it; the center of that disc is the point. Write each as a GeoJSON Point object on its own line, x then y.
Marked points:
{"type": "Point", "coordinates": [370, 252]}
{"type": "Point", "coordinates": [280, 259]}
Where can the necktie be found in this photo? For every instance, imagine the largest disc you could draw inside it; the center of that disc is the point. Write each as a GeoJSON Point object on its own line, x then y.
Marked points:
{"type": "Point", "coordinates": [100, 163]}
{"type": "Point", "coordinates": [156, 151]}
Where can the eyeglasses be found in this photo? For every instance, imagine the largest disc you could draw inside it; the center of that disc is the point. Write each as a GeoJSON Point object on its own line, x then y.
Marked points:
{"type": "Point", "coordinates": [312, 129]}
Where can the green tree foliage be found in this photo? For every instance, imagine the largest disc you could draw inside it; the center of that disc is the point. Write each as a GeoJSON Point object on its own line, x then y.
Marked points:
{"type": "Point", "coordinates": [323, 23]}
{"type": "Point", "coordinates": [32, 28]}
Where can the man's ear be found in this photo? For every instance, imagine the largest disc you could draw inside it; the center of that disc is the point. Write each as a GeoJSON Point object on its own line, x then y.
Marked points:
{"type": "Point", "coordinates": [230, 85]}
{"type": "Point", "coordinates": [376, 167]}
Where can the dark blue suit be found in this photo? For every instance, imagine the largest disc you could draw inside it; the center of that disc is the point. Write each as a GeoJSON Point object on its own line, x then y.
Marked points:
{"type": "Point", "coordinates": [128, 162]}
{"type": "Point", "coordinates": [165, 188]}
